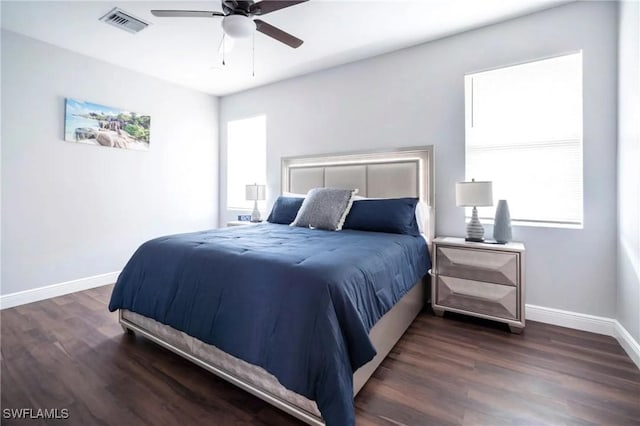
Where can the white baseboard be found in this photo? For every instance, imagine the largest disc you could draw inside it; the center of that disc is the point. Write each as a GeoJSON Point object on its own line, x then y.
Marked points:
{"type": "Point", "coordinates": [578, 321]}
{"type": "Point", "coordinates": [585, 322]}
{"type": "Point", "coordinates": [628, 343]}
{"type": "Point", "coordinates": [54, 290]}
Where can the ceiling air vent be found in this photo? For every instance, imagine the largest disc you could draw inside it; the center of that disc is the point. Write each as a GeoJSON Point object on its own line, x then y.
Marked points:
{"type": "Point", "coordinates": [124, 20]}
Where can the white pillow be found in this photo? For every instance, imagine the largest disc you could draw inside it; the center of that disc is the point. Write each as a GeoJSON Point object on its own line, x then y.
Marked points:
{"type": "Point", "coordinates": [423, 212]}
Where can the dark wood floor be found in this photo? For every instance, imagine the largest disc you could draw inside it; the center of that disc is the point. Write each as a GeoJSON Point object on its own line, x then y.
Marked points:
{"type": "Point", "coordinates": [70, 352]}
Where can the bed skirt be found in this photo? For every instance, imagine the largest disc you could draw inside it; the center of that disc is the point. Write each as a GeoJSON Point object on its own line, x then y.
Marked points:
{"type": "Point", "coordinates": [256, 380]}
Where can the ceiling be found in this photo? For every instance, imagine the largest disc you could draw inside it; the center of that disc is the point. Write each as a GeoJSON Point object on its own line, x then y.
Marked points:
{"type": "Point", "coordinates": [186, 50]}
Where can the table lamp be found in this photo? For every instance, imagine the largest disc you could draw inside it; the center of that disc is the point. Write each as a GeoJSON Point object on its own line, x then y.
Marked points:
{"type": "Point", "coordinates": [255, 193]}
{"type": "Point", "coordinates": [474, 194]}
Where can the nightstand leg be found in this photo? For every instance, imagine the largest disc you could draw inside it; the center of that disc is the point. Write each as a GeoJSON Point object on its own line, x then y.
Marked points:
{"type": "Point", "coordinates": [438, 312]}
{"type": "Point", "coordinates": [516, 329]}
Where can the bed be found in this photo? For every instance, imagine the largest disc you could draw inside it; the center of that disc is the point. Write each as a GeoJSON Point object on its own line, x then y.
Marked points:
{"type": "Point", "coordinates": [298, 328]}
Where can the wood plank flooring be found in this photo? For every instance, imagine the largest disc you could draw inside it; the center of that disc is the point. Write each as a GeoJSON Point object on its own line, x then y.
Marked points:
{"type": "Point", "coordinates": [70, 352]}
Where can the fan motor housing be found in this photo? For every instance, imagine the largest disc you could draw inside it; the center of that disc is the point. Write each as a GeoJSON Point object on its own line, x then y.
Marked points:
{"type": "Point", "coordinates": [231, 7]}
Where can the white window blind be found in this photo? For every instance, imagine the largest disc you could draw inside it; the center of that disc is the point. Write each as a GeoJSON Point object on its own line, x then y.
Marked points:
{"type": "Point", "coordinates": [524, 133]}
{"type": "Point", "coordinates": [246, 158]}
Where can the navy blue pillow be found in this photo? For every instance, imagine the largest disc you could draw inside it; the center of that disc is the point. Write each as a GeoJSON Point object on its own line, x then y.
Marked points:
{"type": "Point", "coordinates": [285, 209]}
{"type": "Point", "coordinates": [393, 215]}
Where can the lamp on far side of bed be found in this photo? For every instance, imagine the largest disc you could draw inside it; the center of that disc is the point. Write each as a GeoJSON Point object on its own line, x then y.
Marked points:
{"type": "Point", "coordinates": [474, 194]}
{"type": "Point", "coordinates": [255, 193]}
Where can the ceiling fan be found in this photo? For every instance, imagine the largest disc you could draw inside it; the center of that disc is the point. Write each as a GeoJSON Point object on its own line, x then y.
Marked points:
{"type": "Point", "coordinates": [237, 18]}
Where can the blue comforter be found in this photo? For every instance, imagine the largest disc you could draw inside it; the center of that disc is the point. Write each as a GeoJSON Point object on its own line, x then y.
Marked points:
{"type": "Point", "coordinates": [295, 301]}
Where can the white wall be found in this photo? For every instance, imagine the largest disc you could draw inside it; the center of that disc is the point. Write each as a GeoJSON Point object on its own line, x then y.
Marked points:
{"type": "Point", "coordinates": [628, 294]}
{"type": "Point", "coordinates": [70, 210]}
{"type": "Point", "coordinates": [416, 97]}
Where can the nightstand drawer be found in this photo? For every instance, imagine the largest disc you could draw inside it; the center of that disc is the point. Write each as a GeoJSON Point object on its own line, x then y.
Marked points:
{"type": "Point", "coordinates": [479, 297]}
{"type": "Point", "coordinates": [499, 267]}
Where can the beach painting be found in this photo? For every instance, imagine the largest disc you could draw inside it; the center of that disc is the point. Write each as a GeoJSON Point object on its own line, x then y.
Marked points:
{"type": "Point", "coordinates": [95, 124]}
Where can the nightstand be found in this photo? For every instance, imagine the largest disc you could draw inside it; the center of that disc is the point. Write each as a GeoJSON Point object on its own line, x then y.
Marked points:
{"type": "Point", "coordinates": [479, 279]}
{"type": "Point", "coordinates": [241, 223]}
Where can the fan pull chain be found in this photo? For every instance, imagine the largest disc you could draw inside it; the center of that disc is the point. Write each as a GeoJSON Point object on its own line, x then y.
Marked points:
{"type": "Point", "coordinates": [253, 55]}
{"type": "Point", "coordinates": [224, 49]}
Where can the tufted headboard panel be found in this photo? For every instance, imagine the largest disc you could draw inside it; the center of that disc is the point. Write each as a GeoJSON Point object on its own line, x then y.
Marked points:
{"type": "Point", "coordinates": [405, 172]}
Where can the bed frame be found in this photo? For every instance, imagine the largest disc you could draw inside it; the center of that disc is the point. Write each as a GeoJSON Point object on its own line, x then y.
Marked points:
{"type": "Point", "coordinates": [406, 172]}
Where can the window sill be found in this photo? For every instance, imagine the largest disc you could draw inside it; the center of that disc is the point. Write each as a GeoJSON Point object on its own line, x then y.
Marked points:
{"type": "Point", "coordinates": [524, 223]}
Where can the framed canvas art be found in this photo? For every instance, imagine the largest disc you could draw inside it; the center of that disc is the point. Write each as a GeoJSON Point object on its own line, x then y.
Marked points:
{"type": "Point", "coordinates": [95, 124]}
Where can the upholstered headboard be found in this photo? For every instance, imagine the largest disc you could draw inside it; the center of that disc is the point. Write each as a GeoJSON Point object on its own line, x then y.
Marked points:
{"type": "Point", "coordinates": [405, 172]}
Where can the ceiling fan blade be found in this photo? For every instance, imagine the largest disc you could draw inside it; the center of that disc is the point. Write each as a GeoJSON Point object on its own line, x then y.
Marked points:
{"type": "Point", "coordinates": [267, 6]}
{"type": "Point", "coordinates": [277, 34]}
{"type": "Point", "coordinates": [185, 13]}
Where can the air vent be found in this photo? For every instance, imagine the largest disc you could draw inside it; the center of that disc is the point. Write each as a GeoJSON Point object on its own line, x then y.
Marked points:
{"type": "Point", "coordinates": [124, 20]}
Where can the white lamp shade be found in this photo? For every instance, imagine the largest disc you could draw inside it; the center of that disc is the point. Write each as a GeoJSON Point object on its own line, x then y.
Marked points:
{"type": "Point", "coordinates": [238, 26]}
{"type": "Point", "coordinates": [255, 192]}
{"type": "Point", "coordinates": [474, 194]}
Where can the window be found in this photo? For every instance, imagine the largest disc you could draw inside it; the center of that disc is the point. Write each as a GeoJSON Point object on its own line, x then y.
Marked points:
{"type": "Point", "coordinates": [524, 133]}
{"type": "Point", "coordinates": [246, 158]}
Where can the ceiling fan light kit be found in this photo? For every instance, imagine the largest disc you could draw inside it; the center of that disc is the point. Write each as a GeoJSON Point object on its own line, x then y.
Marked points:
{"type": "Point", "coordinates": [238, 26]}
{"type": "Point", "coordinates": [237, 18]}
